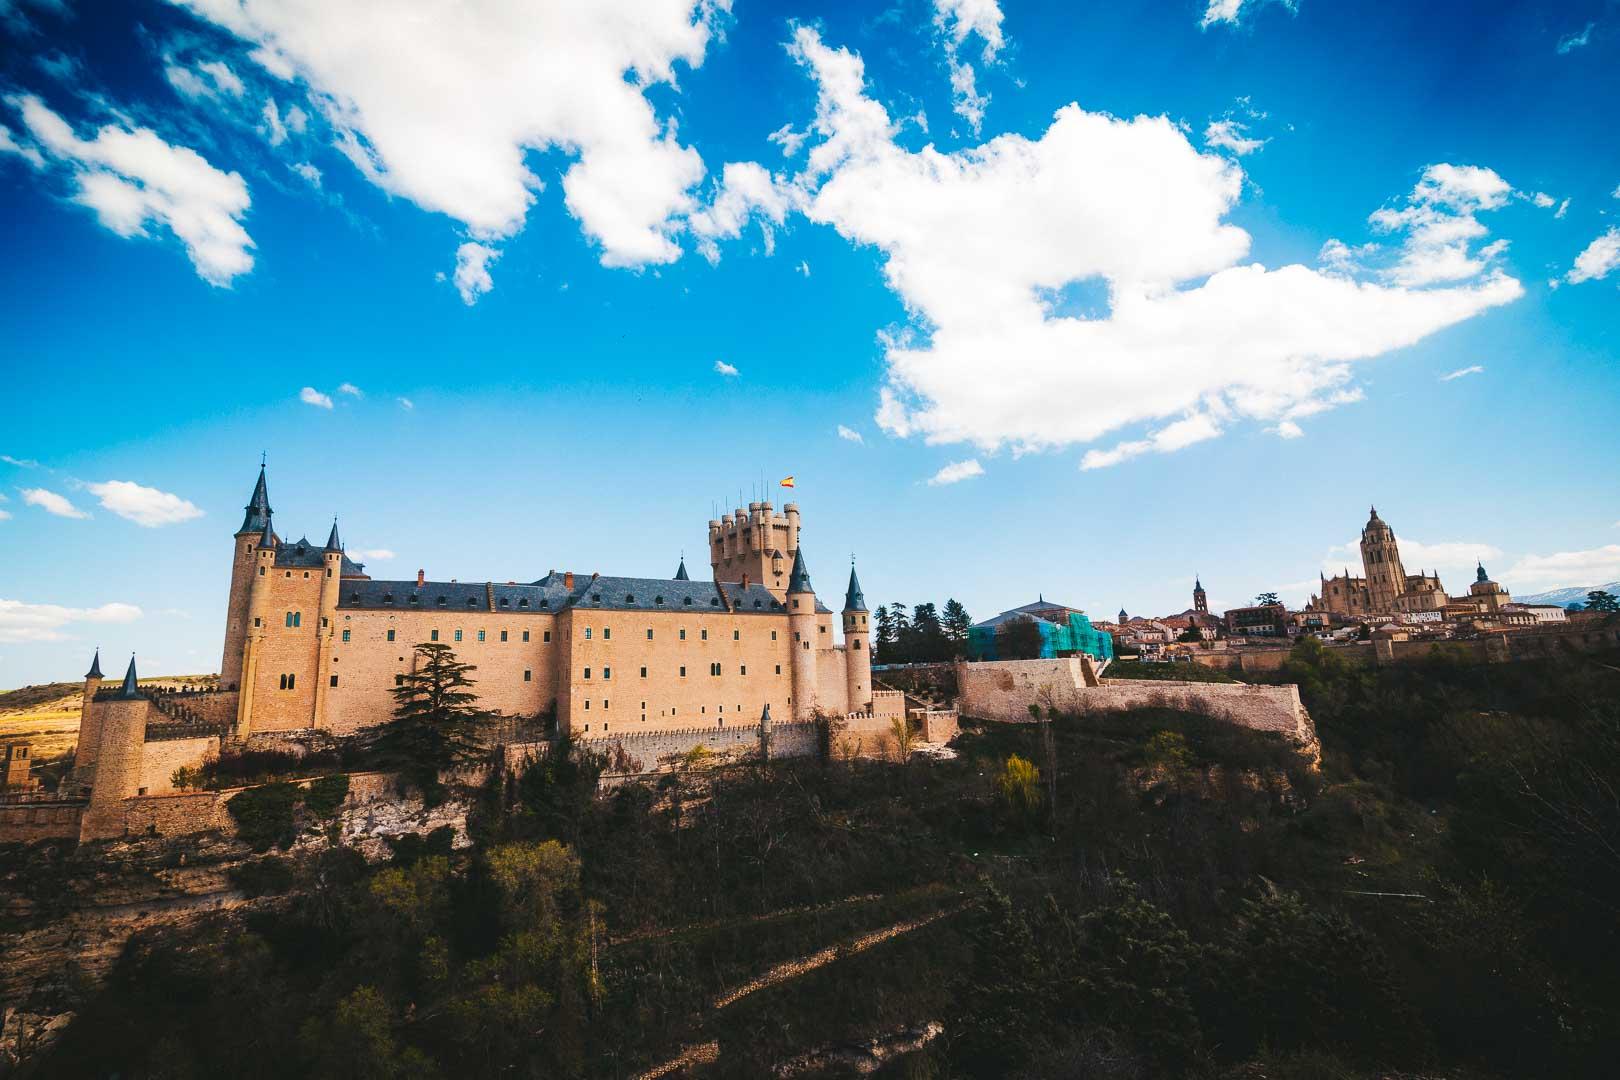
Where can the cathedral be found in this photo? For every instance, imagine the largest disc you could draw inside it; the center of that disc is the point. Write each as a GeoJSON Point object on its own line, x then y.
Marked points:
{"type": "Point", "coordinates": [1386, 588]}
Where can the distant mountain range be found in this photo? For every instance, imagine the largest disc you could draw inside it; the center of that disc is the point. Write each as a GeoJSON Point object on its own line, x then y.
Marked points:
{"type": "Point", "coordinates": [1566, 597]}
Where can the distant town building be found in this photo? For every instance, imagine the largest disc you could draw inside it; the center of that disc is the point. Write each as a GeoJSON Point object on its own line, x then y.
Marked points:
{"type": "Point", "coordinates": [1385, 587]}
{"type": "Point", "coordinates": [1262, 620]}
{"type": "Point", "coordinates": [1065, 631]}
{"type": "Point", "coordinates": [18, 764]}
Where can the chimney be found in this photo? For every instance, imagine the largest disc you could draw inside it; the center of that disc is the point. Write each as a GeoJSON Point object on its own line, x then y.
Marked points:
{"type": "Point", "coordinates": [745, 579]}
{"type": "Point", "coordinates": [421, 578]}
{"type": "Point", "coordinates": [568, 580]}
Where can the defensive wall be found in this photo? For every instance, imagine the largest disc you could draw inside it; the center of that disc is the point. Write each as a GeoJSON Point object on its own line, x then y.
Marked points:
{"type": "Point", "coordinates": [1005, 689]}
{"type": "Point", "coordinates": [1528, 644]}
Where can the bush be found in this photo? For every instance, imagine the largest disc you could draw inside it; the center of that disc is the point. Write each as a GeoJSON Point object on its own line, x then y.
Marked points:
{"type": "Point", "coordinates": [1018, 788]}
{"type": "Point", "coordinates": [269, 815]}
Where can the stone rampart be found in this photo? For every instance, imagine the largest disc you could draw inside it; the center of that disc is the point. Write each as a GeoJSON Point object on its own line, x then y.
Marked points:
{"type": "Point", "coordinates": [23, 821]}
{"type": "Point", "coordinates": [1005, 689]}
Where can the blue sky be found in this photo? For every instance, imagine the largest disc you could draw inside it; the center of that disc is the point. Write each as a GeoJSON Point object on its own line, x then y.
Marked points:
{"type": "Point", "coordinates": [1160, 289]}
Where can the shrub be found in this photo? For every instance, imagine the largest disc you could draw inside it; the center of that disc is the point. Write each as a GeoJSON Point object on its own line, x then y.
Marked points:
{"type": "Point", "coordinates": [1018, 787]}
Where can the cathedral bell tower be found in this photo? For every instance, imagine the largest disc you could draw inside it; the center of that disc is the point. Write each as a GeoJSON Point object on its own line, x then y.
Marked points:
{"type": "Point", "coordinates": [1381, 558]}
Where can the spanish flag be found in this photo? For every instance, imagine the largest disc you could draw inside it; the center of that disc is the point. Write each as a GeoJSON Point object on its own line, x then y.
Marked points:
{"type": "Point", "coordinates": [787, 481]}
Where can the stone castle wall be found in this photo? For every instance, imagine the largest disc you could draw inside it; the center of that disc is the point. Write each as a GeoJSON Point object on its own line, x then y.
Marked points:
{"type": "Point", "coordinates": [1004, 690]}
{"type": "Point", "coordinates": [24, 822]}
{"type": "Point", "coordinates": [159, 761]}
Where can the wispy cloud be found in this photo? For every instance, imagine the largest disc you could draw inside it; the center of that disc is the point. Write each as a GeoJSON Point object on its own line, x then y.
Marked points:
{"type": "Point", "coordinates": [1230, 135]}
{"type": "Point", "coordinates": [1600, 258]}
{"type": "Point", "coordinates": [20, 621]}
{"type": "Point", "coordinates": [406, 403]}
{"type": "Point", "coordinates": [352, 390]}
{"type": "Point", "coordinates": [144, 506]}
{"type": "Point", "coordinates": [51, 503]}
{"type": "Point", "coordinates": [849, 434]}
{"type": "Point", "coordinates": [311, 396]}
{"type": "Point", "coordinates": [803, 268]}
{"type": "Point", "coordinates": [723, 368]}
{"type": "Point", "coordinates": [956, 472]}
{"type": "Point", "coordinates": [21, 463]}
{"type": "Point", "coordinates": [472, 271]}
{"type": "Point", "coordinates": [1566, 568]}
{"type": "Point", "coordinates": [1570, 42]}
{"type": "Point", "coordinates": [1472, 369]}
{"type": "Point", "coordinates": [374, 554]}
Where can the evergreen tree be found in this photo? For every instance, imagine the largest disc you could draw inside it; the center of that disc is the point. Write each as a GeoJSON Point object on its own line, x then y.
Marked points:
{"type": "Point", "coordinates": [1266, 598]}
{"type": "Point", "coordinates": [884, 648]}
{"type": "Point", "coordinates": [930, 635]}
{"type": "Point", "coordinates": [955, 620]}
{"type": "Point", "coordinates": [900, 615]}
{"type": "Point", "coordinates": [434, 717]}
{"type": "Point", "coordinates": [1598, 600]}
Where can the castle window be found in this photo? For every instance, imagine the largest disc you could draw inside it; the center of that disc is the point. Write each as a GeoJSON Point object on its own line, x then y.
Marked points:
{"type": "Point", "coordinates": [294, 618]}
{"type": "Point", "coordinates": [545, 603]}
{"type": "Point", "coordinates": [607, 673]}
{"type": "Point", "coordinates": [714, 601]}
{"type": "Point", "coordinates": [525, 635]}
{"type": "Point", "coordinates": [505, 602]}
{"type": "Point", "coordinates": [587, 708]}
{"type": "Point", "coordinates": [390, 634]}
{"type": "Point", "coordinates": [607, 632]}
{"type": "Point", "coordinates": [795, 601]}
{"type": "Point", "coordinates": [714, 669]}
{"type": "Point", "coordinates": [736, 635]}
{"type": "Point", "coordinates": [823, 629]}
{"type": "Point", "coordinates": [687, 602]}
{"type": "Point", "coordinates": [433, 635]}
{"type": "Point", "coordinates": [649, 633]}
{"type": "Point", "coordinates": [388, 598]}
{"type": "Point", "coordinates": [797, 636]}
{"type": "Point", "coordinates": [544, 637]}
{"type": "Point", "coordinates": [779, 669]}
{"type": "Point", "coordinates": [857, 644]}
{"type": "Point", "coordinates": [289, 682]}
{"type": "Point", "coordinates": [643, 675]}
{"type": "Point", "coordinates": [306, 575]}
{"type": "Point", "coordinates": [587, 673]}
{"type": "Point", "coordinates": [629, 598]}
{"type": "Point", "coordinates": [261, 571]}
{"type": "Point", "coordinates": [604, 705]}
{"type": "Point", "coordinates": [503, 635]}
{"type": "Point", "coordinates": [443, 601]}
{"type": "Point", "coordinates": [345, 637]}
{"type": "Point", "coordinates": [334, 681]}
{"type": "Point", "coordinates": [324, 622]}
{"type": "Point", "coordinates": [527, 675]}
{"type": "Point", "coordinates": [480, 635]}
{"type": "Point", "coordinates": [758, 604]}
{"type": "Point", "coordinates": [596, 597]}
{"type": "Point", "coordinates": [523, 602]}
{"type": "Point", "coordinates": [256, 621]}
{"type": "Point", "coordinates": [743, 670]}
{"type": "Point", "coordinates": [458, 635]}
{"type": "Point", "coordinates": [399, 680]}
{"type": "Point", "coordinates": [683, 633]}
{"type": "Point", "coordinates": [587, 633]}
{"type": "Point", "coordinates": [289, 573]}
{"type": "Point", "coordinates": [773, 635]}
{"type": "Point", "coordinates": [704, 634]}
{"type": "Point", "coordinates": [415, 599]}
{"type": "Point", "coordinates": [683, 671]}
{"type": "Point", "coordinates": [658, 599]}
{"type": "Point", "coordinates": [472, 601]}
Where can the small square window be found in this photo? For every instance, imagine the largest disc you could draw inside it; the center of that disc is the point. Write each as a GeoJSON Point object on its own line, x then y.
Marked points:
{"type": "Point", "coordinates": [526, 636]}
{"type": "Point", "coordinates": [390, 635]}
{"type": "Point", "coordinates": [458, 635]}
{"type": "Point", "coordinates": [527, 675]}
{"type": "Point", "coordinates": [480, 635]}
{"type": "Point", "coordinates": [546, 637]}
{"type": "Point", "coordinates": [334, 681]}
{"type": "Point", "coordinates": [433, 635]}
{"type": "Point", "coordinates": [503, 635]}
{"type": "Point", "coordinates": [607, 632]}
{"type": "Point", "coordinates": [399, 680]}
{"type": "Point", "coordinates": [345, 637]}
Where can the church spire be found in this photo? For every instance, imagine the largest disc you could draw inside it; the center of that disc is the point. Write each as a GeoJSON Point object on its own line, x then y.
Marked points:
{"type": "Point", "coordinates": [257, 517]}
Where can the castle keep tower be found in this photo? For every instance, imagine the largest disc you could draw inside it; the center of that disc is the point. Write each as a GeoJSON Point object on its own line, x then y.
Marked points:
{"type": "Point", "coordinates": [84, 754]}
{"type": "Point", "coordinates": [757, 544]}
{"type": "Point", "coordinates": [1200, 601]}
{"type": "Point", "coordinates": [858, 647]}
{"type": "Point", "coordinates": [801, 602]}
{"type": "Point", "coordinates": [118, 759]}
{"type": "Point", "coordinates": [244, 562]}
{"type": "Point", "coordinates": [1386, 578]}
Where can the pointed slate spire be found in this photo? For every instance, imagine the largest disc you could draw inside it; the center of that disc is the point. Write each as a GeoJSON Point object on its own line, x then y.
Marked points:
{"type": "Point", "coordinates": [258, 508]}
{"type": "Point", "coordinates": [799, 580]}
{"type": "Point", "coordinates": [267, 539]}
{"type": "Point", "coordinates": [332, 543]}
{"type": "Point", "coordinates": [95, 667]}
{"type": "Point", "coordinates": [680, 572]}
{"type": "Point", "coordinates": [853, 600]}
{"type": "Point", "coordinates": [129, 689]}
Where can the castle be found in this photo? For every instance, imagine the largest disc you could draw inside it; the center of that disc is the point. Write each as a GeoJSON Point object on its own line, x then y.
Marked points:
{"type": "Point", "coordinates": [314, 644]}
{"type": "Point", "coordinates": [1387, 589]}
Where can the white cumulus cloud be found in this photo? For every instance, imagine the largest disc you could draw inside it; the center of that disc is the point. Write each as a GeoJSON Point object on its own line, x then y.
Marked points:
{"type": "Point", "coordinates": [311, 396]}
{"type": "Point", "coordinates": [1195, 336]}
{"type": "Point", "coordinates": [21, 621]}
{"type": "Point", "coordinates": [1565, 569]}
{"type": "Point", "coordinates": [723, 368]}
{"type": "Point", "coordinates": [51, 503]}
{"type": "Point", "coordinates": [956, 21]}
{"type": "Point", "coordinates": [443, 103]}
{"type": "Point", "coordinates": [351, 389]}
{"type": "Point", "coordinates": [1231, 135]}
{"type": "Point", "coordinates": [472, 278]}
{"type": "Point", "coordinates": [374, 555]}
{"type": "Point", "coordinates": [1453, 560]}
{"type": "Point", "coordinates": [956, 472]}
{"type": "Point", "coordinates": [1599, 258]}
{"type": "Point", "coordinates": [1440, 224]}
{"type": "Point", "coordinates": [133, 179]}
{"type": "Point", "coordinates": [143, 505]}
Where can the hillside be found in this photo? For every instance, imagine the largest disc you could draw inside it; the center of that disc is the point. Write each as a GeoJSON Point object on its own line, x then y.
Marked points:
{"type": "Point", "coordinates": [1151, 893]}
{"type": "Point", "coordinates": [47, 716]}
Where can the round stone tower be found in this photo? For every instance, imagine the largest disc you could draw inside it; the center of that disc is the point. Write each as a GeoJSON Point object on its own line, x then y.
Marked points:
{"type": "Point", "coordinates": [118, 760]}
{"type": "Point", "coordinates": [857, 647]}
{"type": "Point", "coordinates": [801, 603]}
{"type": "Point", "coordinates": [245, 546]}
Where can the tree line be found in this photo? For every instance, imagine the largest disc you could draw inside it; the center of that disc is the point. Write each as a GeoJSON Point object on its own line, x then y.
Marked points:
{"type": "Point", "coordinates": [922, 634]}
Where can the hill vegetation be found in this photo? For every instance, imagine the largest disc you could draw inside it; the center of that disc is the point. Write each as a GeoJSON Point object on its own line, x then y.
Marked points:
{"type": "Point", "coordinates": [1142, 894]}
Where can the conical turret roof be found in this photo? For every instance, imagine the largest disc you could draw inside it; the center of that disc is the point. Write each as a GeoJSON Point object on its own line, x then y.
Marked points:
{"type": "Point", "coordinates": [680, 571]}
{"type": "Point", "coordinates": [332, 542]}
{"type": "Point", "coordinates": [799, 580]}
{"type": "Point", "coordinates": [267, 539]}
{"type": "Point", "coordinates": [258, 508]}
{"type": "Point", "coordinates": [130, 689]}
{"type": "Point", "coordinates": [95, 667]}
{"type": "Point", "coordinates": [853, 600]}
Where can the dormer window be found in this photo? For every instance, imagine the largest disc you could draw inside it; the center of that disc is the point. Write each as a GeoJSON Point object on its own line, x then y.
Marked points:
{"type": "Point", "coordinates": [596, 598]}
{"type": "Point", "coordinates": [505, 602]}
{"type": "Point", "coordinates": [415, 599]}
{"type": "Point", "coordinates": [523, 602]}
{"type": "Point", "coordinates": [687, 602]}
{"type": "Point", "coordinates": [443, 601]}
{"type": "Point", "coordinates": [658, 599]}
{"type": "Point", "coordinates": [388, 598]}
{"type": "Point", "coordinates": [629, 598]}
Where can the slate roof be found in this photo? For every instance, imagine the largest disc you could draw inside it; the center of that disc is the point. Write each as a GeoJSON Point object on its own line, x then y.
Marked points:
{"type": "Point", "coordinates": [95, 667]}
{"type": "Point", "coordinates": [300, 554]}
{"type": "Point", "coordinates": [1027, 611]}
{"type": "Point", "coordinates": [799, 580]}
{"type": "Point", "coordinates": [257, 514]}
{"type": "Point", "coordinates": [854, 600]}
{"type": "Point", "coordinates": [550, 595]}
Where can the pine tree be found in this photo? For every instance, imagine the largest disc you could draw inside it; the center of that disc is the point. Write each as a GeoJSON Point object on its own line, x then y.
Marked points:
{"type": "Point", "coordinates": [435, 712]}
{"type": "Point", "coordinates": [901, 617]}
{"type": "Point", "coordinates": [1598, 600]}
{"type": "Point", "coordinates": [930, 635]}
{"type": "Point", "coordinates": [884, 649]}
{"type": "Point", "coordinates": [956, 620]}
